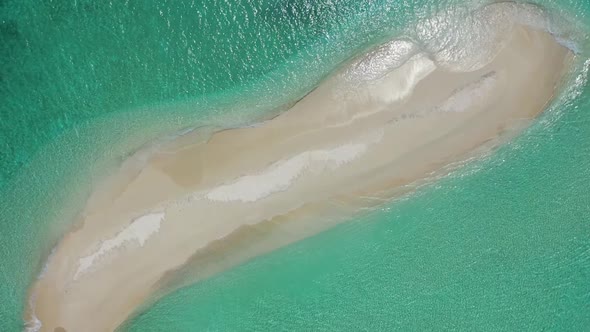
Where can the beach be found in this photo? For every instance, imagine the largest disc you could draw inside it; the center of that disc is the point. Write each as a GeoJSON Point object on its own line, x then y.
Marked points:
{"type": "Point", "coordinates": [345, 146]}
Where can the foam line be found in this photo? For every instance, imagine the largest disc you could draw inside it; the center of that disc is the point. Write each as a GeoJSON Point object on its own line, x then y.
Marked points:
{"type": "Point", "coordinates": [281, 175]}
{"type": "Point", "coordinates": [140, 230]}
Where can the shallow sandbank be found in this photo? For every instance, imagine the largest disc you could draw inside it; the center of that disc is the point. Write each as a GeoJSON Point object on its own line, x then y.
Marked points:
{"type": "Point", "coordinates": [342, 147]}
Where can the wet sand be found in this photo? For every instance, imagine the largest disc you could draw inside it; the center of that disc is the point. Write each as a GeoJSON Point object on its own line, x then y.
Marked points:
{"type": "Point", "coordinates": [342, 148]}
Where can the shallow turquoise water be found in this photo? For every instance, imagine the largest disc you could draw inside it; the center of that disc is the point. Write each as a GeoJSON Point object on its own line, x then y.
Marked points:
{"type": "Point", "coordinates": [504, 244]}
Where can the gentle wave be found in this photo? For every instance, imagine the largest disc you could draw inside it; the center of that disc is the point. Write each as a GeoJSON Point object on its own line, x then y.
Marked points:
{"type": "Point", "coordinates": [457, 40]}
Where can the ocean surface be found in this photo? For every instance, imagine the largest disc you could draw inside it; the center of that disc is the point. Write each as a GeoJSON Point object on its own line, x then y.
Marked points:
{"type": "Point", "coordinates": [503, 243]}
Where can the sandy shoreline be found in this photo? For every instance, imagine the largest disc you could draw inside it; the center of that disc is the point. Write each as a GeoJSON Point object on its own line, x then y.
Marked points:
{"type": "Point", "coordinates": [324, 157]}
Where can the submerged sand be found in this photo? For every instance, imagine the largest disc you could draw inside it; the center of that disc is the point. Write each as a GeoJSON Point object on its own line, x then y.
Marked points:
{"type": "Point", "coordinates": [341, 148]}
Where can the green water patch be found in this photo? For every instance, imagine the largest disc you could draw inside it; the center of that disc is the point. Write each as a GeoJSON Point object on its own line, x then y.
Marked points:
{"type": "Point", "coordinates": [64, 63]}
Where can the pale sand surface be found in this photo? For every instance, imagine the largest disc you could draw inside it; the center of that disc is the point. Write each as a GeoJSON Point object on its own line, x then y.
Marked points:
{"type": "Point", "coordinates": [247, 191]}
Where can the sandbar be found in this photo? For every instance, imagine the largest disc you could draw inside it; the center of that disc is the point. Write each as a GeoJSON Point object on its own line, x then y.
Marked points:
{"type": "Point", "coordinates": [342, 148]}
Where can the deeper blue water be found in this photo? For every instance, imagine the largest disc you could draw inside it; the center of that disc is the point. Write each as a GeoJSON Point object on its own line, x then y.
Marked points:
{"type": "Point", "coordinates": [501, 244]}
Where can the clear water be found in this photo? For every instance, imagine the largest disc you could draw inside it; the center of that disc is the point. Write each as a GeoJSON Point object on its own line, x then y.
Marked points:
{"type": "Point", "coordinates": [502, 244]}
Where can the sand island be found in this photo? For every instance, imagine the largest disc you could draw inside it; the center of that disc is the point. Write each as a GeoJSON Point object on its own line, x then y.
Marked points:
{"type": "Point", "coordinates": [345, 145]}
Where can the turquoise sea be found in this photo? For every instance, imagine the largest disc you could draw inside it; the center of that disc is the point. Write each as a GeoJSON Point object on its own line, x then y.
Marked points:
{"type": "Point", "coordinates": [501, 244]}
